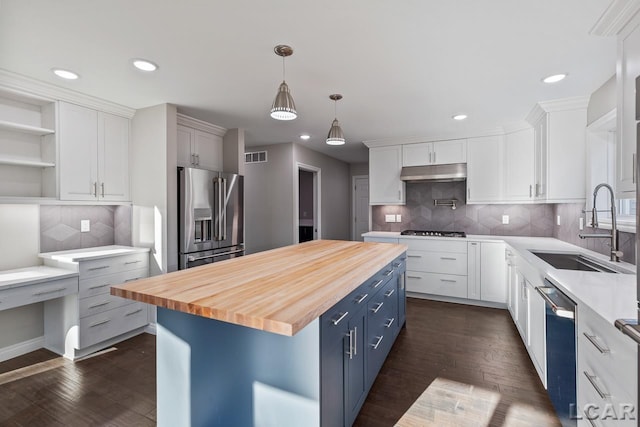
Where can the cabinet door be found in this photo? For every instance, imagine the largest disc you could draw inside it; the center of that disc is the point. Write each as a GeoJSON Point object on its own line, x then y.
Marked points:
{"type": "Point", "coordinates": [537, 333]}
{"type": "Point", "coordinates": [445, 152]}
{"type": "Point", "coordinates": [417, 154]}
{"type": "Point", "coordinates": [473, 270]}
{"type": "Point", "coordinates": [185, 142]}
{"type": "Point", "coordinates": [492, 265]}
{"type": "Point", "coordinates": [355, 374]}
{"type": "Point", "coordinates": [78, 152]}
{"type": "Point", "coordinates": [523, 307]}
{"type": "Point", "coordinates": [113, 157]}
{"type": "Point", "coordinates": [208, 150]}
{"type": "Point", "coordinates": [484, 169]}
{"type": "Point", "coordinates": [541, 137]}
{"type": "Point", "coordinates": [519, 165]}
{"type": "Point", "coordinates": [333, 347]}
{"type": "Point", "coordinates": [567, 140]}
{"type": "Point", "coordinates": [385, 186]}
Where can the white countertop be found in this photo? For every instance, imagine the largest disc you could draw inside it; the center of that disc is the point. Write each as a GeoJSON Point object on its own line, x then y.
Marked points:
{"type": "Point", "coordinates": [91, 253]}
{"type": "Point", "coordinates": [613, 296]}
{"type": "Point", "coordinates": [32, 275]}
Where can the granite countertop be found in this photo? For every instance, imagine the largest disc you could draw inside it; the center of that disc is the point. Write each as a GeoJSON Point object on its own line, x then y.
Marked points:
{"type": "Point", "coordinates": [612, 296]}
{"type": "Point", "coordinates": [87, 254]}
{"type": "Point", "coordinates": [32, 275]}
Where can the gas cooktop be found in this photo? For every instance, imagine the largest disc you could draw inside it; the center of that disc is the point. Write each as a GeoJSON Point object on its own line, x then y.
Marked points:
{"type": "Point", "coordinates": [433, 233]}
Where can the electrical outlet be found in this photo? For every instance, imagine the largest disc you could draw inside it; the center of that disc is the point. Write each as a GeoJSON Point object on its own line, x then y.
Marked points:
{"type": "Point", "coordinates": [85, 225]}
{"type": "Point", "coordinates": [558, 220]}
{"type": "Point", "coordinates": [398, 218]}
{"type": "Point", "coordinates": [581, 223]}
{"type": "Point", "coordinates": [505, 219]}
{"type": "Point", "coordinates": [389, 218]}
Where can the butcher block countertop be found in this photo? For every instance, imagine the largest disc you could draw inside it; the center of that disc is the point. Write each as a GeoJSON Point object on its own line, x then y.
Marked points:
{"type": "Point", "coordinates": [279, 291]}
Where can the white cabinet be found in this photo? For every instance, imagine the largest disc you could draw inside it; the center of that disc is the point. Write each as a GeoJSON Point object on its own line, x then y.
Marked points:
{"type": "Point", "coordinates": [385, 186]}
{"type": "Point", "coordinates": [522, 298]}
{"type": "Point", "coordinates": [94, 154]}
{"type": "Point", "coordinates": [484, 169]}
{"type": "Point", "coordinates": [628, 69]}
{"type": "Point", "coordinates": [512, 283]}
{"type": "Point", "coordinates": [199, 144]}
{"type": "Point", "coordinates": [537, 332]}
{"type": "Point", "coordinates": [434, 153]}
{"type": "Point", "coordinates": [519, 166]}
{"type": "Point", "coordinates": [486, 272]}
{"type": "Point", "coordinates": [27, 146]}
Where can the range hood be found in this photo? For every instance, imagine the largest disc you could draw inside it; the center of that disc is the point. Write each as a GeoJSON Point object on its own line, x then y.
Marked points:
{"type": "Point", "coordinates": [435, 173]}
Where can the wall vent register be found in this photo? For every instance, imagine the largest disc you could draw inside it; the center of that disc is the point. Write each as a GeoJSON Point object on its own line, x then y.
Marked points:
{"type": "Point", "coordinates": [433, 233]}
{"type": "Point", "coordinates": [255, 157]}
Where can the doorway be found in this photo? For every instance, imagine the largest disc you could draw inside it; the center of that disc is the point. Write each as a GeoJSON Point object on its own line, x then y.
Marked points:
{"type": "Point", "coordinates": [360, 210]}
{"type": "Point", "coordinates": [307, 206]}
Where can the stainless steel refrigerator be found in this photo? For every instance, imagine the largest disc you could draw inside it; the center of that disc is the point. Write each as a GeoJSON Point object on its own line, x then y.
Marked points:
{"type": "Point", "coordinates": [210, 216]}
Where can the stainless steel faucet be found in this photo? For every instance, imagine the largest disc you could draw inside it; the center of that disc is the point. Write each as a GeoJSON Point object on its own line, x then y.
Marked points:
{"type": "Point", "coordinates": [615, 252]}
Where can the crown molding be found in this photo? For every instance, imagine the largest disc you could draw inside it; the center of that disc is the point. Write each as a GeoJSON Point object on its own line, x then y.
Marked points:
{"type": "Point", "coordinates": [563, 104]}
{"type": "Point", "coordinates": [36, 88]}
{"type": "Point", "coordinates": [200, 125]}
{"type": "Point", "coordinates": [615, 17]}
{"type": "Point", "coordinates": [535, 114]}
{"type": "Point", "coordinates": [605, 123]}
{"type": "Point", "coordinates": [516, 126]}
{"type": "Point", "coordinates": [433, 138]}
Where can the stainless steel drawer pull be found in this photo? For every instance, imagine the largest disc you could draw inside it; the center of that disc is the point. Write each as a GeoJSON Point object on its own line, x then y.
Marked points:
{"type": "Point", "coordinates": [378, 283]}
{"type": "Point", "coordinates": [100, 304]}
{"type": "Point", "coordinates": [378, 307]}
{"type": "Point", "coordinates": [355, 340]}
{"type": "Point", "coordinates": [592, 380]}
{"type": "Point", "coordinates": [448, 280]}
{"type": "Point", "coordinates": [388, 273]}
{"type": "Point", "coordinates": [132, 262]}
{"type": "Point", "coordinates": [388, 325]}
{"type": "Point", "coordinates": [339, 319]}
{"type": "Point", "coordinates": [588, 418]}
{"type": "Point", "coordinates": [362, 298]}
{"type": "Point", "coordinates": [350, 351]}
{"type": "Point", "coordinates": [448, 258]}
{"type": "Point", "coordinates": [93, 325]}
{"type": "Point", "coordinates": [131, 280]}
{"type": "Point", "coordinates": [592, 340]}
{"type": "Point", "coordinates": [389, 292]}
{"type": "Point", "coordinates": [52, 291]}
{"type": "Point", "coordinates": [414, 256]}
{"type": "Point", "coordinates": [414, 277]}
{"type": "Point", "coordinates": [375, 346]}
{"type": "Point", "coordinates": [131, 313]}
{"type": "Point", "coordinates": [99, 286]}
{"type": "Point", "coordinates": [397, 264]}
{"type": "Point", "coordinates": [102, 267]}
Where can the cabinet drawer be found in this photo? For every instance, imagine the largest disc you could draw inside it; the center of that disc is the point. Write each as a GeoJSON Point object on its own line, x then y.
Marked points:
{"type": "Point", "coordinates": [435, 245]}
{"type": "Point", "coordinates": [594, 411]}
{"type": "Point", "coordinates": [38, 292]}
{"type": "Point", "coordinates": [100, 285]}
{"type": "Point", "coordinates": [115, 264]}
{"type": "Point", "coordinates": [103, 326]}
{"type": "Point", "coordinates": [382, 305]}
{"type": "Point", "coordinates": [432, 262]}
{"type": "Point", "coordinates": [101, 303]}
{"type": "Point", "coordinates": [437, 284]}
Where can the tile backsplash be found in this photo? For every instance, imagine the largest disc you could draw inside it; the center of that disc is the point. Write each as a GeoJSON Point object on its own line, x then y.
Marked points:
{"type": "Point", "coordinates": [60, 227]}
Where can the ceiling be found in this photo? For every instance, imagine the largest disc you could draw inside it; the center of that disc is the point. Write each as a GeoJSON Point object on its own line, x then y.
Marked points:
{"type": "Point", "coordinates": [404, 67]}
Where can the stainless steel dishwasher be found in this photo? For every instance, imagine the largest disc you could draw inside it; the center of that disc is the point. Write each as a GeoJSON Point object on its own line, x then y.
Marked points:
{"type": "Point", "coordinates": [560, 327]}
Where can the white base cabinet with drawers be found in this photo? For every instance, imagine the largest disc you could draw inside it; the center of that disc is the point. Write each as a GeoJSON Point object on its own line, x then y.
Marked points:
{"type": "Point", "coordinates": [92, 319]}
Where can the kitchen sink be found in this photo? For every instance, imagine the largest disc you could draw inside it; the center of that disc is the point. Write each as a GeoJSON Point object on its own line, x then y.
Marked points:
{"type": "Point", "coordinates": [576, 261]}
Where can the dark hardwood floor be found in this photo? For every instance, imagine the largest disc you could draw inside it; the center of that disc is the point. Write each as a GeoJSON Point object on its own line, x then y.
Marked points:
{"type": "Point", "coordinates": [473, 345]}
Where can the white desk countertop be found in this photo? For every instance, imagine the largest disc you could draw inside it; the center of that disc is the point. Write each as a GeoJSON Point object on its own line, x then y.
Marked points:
{"type": "Point", "coordinates": [32, 275]}
{"type": "Point", "coordinates": [87, 254]}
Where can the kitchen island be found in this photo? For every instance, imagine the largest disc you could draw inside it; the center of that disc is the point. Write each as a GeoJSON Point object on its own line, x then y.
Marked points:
{"type": "Point", "coordinates": [288, 337]}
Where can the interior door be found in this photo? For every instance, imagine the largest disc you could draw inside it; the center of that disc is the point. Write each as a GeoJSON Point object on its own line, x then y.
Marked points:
{"type": "Point", "coordinates": [361, 211]}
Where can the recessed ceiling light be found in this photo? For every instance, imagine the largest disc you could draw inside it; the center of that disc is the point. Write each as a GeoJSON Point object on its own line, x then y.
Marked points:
{"type": "Point", "coordinates": [555, 78]}
{"type": "Point", "coordinates": [144, 65]}
{"type": "Point", "coordinates": [65, 74]}
{"type": "Point", "coordinates": [459, 117]}
{"type": "Point", "coordinates": [305, 136]}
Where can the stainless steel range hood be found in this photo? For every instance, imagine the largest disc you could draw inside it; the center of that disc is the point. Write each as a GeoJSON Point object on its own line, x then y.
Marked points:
{"type": "Point", "coordinates": [435, 173]}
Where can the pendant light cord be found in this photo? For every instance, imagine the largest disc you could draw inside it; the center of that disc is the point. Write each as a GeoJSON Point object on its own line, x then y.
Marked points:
{"type": "Point", "coordinates": [283, 70]}
{"type": "Point", "coordinates": [335, 109]}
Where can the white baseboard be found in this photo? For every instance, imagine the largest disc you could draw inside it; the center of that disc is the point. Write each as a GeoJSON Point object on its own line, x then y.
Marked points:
{"type": "Point", "coordinates": [21, 348]}
{"type": "Point", "coordinates": [151, 328]}
{"type": "Point", "coordinates": [455, 300]}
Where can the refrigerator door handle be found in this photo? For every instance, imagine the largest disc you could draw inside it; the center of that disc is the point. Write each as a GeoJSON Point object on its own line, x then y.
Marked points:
{"type": "Point", "coordinates": [217, 196]}
{"type": "Point", "coordinates": [223, 211]}
{"type": "Point", "coordinates": [192, 258]}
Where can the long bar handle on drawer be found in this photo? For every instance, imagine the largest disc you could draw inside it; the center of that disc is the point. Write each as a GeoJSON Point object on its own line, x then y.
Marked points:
{"type": "Point", "coordinates": [355, 340]}
{"type": "Point", "coordinates": [389, 292]}
{"type": "Point", "coordinates": [93, 325]}
{"type": "Point", "coordinates": [131, 313]}
{"type": "Point", "coordinates": [99, 304]}
{"type": "Point", "coordinates": [378, 283]}
{"type": "Point", "coordinates": [362, 298]}
{"type": "Point", "coordinates": [350, 352]}
{"type": "Point", "coordinates": [592, 380]}
{"type": "Point", "coordinates": [448, 258]}
{"type": "Point", "coordinates": [388, 325]}
{"type": "Point", "coordinates": [588, 418]}
{"type": "Point", "coordinates": [375, 346]}
{"type": "Point", "coordinates": [132, 262]}
{"type": "Point", "coordinates": [592, 340]}
{"type": "Point", "coordinates": [378, 307]}
{"type": "Point", "coordinates": [131, 280]}
{"type": "Point", "coordinates": [414, 256]}
{"type": "Point", "coordinates": [448, 280]}
{"type": "Point", "coordinates": [52, 291]}
{"type": "Point", "coordinates": [339, 319]}
{"type": "Point", "coordinates": [100, 286]}
{"type": "Point", "coordinates": [414, 277]}
{"type": "Point", "coordinates": [397, 264]}
{"type": "Point", "coordinates": [102, 267]}
{"type": "Point", "coordinates": [388, 273]}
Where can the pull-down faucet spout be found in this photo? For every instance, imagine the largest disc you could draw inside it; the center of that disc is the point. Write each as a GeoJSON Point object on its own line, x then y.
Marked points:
{"type": "Point", "coordinates": [615, 253]}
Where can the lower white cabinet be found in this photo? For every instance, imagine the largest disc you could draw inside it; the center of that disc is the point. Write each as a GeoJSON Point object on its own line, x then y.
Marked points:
{"type": "Point", "coordinates": [522, 302]}
{"type": "Point", "coordinates": [537, 332]}
{"type": "Point", "coordinates": [486, 278]}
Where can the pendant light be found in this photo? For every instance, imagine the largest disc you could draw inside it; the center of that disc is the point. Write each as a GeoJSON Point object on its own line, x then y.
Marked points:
{"type": "Point", "coordinates": [283, 107]}
{"type": "Point", "coordinates": [336, 136]}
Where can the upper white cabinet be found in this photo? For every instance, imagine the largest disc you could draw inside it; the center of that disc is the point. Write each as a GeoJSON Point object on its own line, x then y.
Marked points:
{"type": "Point", "coordinates": [628, 70]}
{"type": "Point", "coordinates": [484, 169]}
{"type": "Point", "coordinates": [385, 186]}
{"type": "Point", "coordinates": [434, 153]}
{"type": "Point", "coordinates": [199, 143]}
{"type": "Point", "coordinates": [27, 146]}
{"type": "Point", "coordinates": [519, 179]}
{"type": "Point", "coordinates": [94, 154]}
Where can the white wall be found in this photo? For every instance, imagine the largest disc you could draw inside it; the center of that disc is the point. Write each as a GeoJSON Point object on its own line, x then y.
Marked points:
{"type": "Point", "coordinates": [602, 100]}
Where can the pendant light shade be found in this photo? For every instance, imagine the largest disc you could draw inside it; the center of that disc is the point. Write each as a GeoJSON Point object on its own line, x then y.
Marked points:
{"type": "Point", "coordinates": [283, 107]}
{"type": "Point", "coordinates": [335, 136]}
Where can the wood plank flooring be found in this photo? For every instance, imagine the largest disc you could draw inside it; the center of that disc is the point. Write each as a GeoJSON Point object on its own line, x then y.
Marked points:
{"type": "Point", "coordinates": [471, 345]}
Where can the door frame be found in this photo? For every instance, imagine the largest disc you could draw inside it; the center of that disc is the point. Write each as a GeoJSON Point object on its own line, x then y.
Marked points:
{"type": "Point", "coordinates": [317, 200]}
{"type": "Point", "coordinates": [353, 206]}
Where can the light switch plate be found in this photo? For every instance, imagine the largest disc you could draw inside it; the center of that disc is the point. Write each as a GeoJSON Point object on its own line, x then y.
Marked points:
{"type": "Point", "coordinates": [85, 225]}
{"type": "Point", "coordinates": [558, 220]}
{"type": "Point", "coordinates": [389, 218]}
{"type": "Point", "coordinates": [581, 223]}
{"type": "Point", "coordinates": [398, 218]}
{"type": "Point", "coordinates": [505, 219]}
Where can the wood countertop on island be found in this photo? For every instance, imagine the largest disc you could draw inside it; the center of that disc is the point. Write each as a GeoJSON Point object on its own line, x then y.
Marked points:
{"type": "Point", "coordinates": [280, 290]}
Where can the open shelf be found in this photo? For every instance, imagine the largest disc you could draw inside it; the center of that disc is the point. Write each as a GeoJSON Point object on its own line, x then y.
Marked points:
{"type": "Point", "coordinates": [28, 163]}
{"type": "Point", "coordinates": [18, 127]}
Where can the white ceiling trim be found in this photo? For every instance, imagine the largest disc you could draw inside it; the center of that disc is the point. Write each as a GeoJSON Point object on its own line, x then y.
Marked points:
{"type": "Point", "coordinates": [543, 107]}
{"type": "Point", "coordinates": [432, 138]}
{"type": "Point", "coordinates": [615, 18]}
{"type": "Point", "coordinates": [201, 125]}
